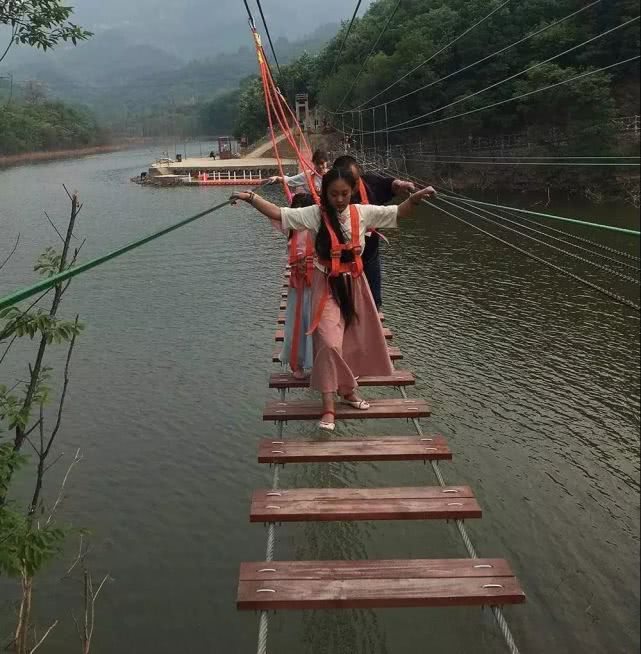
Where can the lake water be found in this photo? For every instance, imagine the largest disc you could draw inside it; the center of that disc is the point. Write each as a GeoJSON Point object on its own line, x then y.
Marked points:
{"type": "Point", "coordinates": [534, 379]}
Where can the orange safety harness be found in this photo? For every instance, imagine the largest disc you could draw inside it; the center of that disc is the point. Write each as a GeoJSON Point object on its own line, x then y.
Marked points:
{"type": "Point", "coordinates": [335, 267]}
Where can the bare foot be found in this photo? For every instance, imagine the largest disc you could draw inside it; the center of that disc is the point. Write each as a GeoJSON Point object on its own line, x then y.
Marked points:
{"type": "Point", "coordinates": [300, 374]}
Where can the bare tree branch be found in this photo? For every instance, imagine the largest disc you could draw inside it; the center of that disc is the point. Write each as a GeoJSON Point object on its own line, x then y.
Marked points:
{"type": "Point", "coordinates": [8, 330]}
{"type": "Point", "coordinates": [63, 395]}
{"type": "Point", "coordinates": [11, 342]}
{"type": "Point", "coordinates": [77, 459]}
{"type": "Point", "coordinates": [38, 424]}
{"type": "Point", "coordinates": [55, 462]}
{"type": "Point", "coordinates": [13, 251]}
{"type": "Point", "coordinates": [11, 42]}
{"type": "Point", "coordinates": [79, 558]}
{"type": "Point", "coordinates": [42, 640]}
{"type": "Point", "coordinates": [30, 442]}
{"type": "Point", "coordinates": [53, 225]}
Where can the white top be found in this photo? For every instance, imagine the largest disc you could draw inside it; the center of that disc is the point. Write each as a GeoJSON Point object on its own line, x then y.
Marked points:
{"type": "Point", "coordinates": [372, 217]}
{"type": "Point", "coordinates": [301, 180]}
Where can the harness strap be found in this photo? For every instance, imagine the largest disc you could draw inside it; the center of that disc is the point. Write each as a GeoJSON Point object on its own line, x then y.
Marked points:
{"type": "Point", "coordinates": [298, 325]}
{"type": "Point", "coordinates": [335, 267]}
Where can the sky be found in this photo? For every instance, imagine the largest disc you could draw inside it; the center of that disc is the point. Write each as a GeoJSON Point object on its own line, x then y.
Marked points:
{"type": "Point", "coordinates": [193, 28]}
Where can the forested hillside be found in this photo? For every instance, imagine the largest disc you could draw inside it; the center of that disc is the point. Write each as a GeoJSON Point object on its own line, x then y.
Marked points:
{"type": "Point", "coordinates": [435, 72]}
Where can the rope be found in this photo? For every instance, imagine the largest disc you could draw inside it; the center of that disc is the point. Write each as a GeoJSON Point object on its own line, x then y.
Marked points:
{"type": "Point", "coordinates": [349, 30]}
{"type": "Point", "coordinates": [584, 223]}
{"type": "Point", "coordinates": [574, 221]}
{"type": "Point", "coordinates": [443, 49]}
{"type": "Point", "coordinates": [600, 289]}
{"type": "Point", "coordinates": [586, 282]}
{"type": "Point", "coordinates": [269, 36]}
{"type": "Point", "coordinates": [467, 541]}
{"type": "Point", "coordinates": [632, 280]}
{"type": "Point", "coordinates": [626, 255]}
{"type": "Point", "coordinates": [269, 107]}
{"type": "Point", "coordinates": [527, 158]}
{"type": "Point", "coordinates": [604, 164]}
{"type": "Point", "coordinates": [263, 629]}
{"type": "Point", "coordinates": [519, 97]}
{"type": "Point", "coordinates": [594, 244]}
{"type": "Point", "coordinates": [520, 221]}
{"type": "Point", "coordinates": [252, 22]}
{"type": "Point", "coordinates": [519, 74]}
{"type": "Point", "coordinates": [54, 280]}
{"type": "Point", "coordinates": [371, 52]}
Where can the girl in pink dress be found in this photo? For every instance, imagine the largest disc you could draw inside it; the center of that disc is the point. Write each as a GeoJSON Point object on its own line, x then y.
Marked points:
{"type": "Point", "coordinates": [348, 337]}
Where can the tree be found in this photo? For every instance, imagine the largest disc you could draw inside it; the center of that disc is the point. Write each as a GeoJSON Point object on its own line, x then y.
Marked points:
{"type": "Point", "coordinates": [39, 23]}
{"type": "Point", "coordinates": [30, 538]}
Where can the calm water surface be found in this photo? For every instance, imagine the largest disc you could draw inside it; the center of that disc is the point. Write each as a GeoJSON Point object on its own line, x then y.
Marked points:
{"type": "Point", "coordinates": [533, 378]}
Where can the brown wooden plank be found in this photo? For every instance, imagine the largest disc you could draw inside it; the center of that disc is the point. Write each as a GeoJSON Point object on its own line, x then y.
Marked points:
{"type": "Point", "coordinates": [282, 496]}
{"type": "Point", "coordinates": [391, 569]}
{"type": "Point", "coordinates": [455, 508]}
{"type": "Point", "coordinates": [279, 336]}
{"type": "Point", "coordinates": [434, 448]}
{"type": "Point", "coordinates": [378, 593]}
{"type": "Point", "coordinates": [394, 353]}
{"type": "Point", "coordinates": [379, 409]}
{"type": "Point", "coordinates": [285, 380]}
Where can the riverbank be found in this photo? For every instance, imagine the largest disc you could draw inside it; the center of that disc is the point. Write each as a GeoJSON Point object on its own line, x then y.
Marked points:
{"type": "Point", "coordinates": [8, 161]}
{"type": "Point", "coordinates": [550, 182]}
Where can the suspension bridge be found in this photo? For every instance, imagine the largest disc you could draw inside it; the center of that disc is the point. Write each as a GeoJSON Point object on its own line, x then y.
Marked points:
{"type": "Point", "coordinates": [274, 585]}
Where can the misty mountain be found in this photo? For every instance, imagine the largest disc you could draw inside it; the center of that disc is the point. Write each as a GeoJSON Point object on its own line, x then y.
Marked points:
{"type": "Point", "coordinates": [187, 29]}
{"type": "Point", "coordinates": [193, 29]}
{"type": "Point", "coordinates": [118, 80]}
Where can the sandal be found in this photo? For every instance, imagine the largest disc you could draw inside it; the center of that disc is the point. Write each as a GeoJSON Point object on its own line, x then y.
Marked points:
{"type": "Point", "coordinates": [361, 405]}
{"type": "Point", "coordinates": [328, 426]}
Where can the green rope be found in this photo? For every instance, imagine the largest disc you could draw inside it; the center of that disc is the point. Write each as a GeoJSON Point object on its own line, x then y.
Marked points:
{"type": "Point", "coordinates": [54, 280]}
{"type": "Point", "coordinates": [553, 217]}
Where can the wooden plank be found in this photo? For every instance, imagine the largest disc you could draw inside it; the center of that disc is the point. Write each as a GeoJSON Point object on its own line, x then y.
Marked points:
{"type": "Point", "coordinates": [369, 510]}
{"type": "Point", "coordinates": [285, 380]}
{"type": "Point", "coordinates": [299, 594]}
{"type": "Point", "coordinates": [379, 409]}
{"type": "Point", "coordinates": [389, 449]}
{"type": "Point", "coordinates": [391, 569]}
{"type": "Point", "coordinates": [341, 504]}
{"type": "Point", "coordinates": [394, 353]}
{"type": "Point", "coordinates": [279, 336]}
{"type": "Point", "coordinates": [358, 494]}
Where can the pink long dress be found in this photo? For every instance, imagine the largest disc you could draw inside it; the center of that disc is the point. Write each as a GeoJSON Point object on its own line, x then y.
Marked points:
{"type": "Point", "coordinates": [344, 353]}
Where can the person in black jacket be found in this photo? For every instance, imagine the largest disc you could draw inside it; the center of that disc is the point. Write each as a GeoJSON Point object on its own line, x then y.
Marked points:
{"type": "Point", "coordinates": [379, 189]}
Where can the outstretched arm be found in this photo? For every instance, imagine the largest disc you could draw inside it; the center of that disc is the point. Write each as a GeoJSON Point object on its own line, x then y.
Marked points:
{"type": "Point", "coordinates": [405, 208]}
{"type": "Point", "coordinates": [400, 186]}
{"type": "Point", "coordinates": [268, 209]}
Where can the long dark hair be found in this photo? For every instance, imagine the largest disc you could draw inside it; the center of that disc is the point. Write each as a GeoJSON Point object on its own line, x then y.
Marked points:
{"type": "Point", "coordinates": [341, 286]}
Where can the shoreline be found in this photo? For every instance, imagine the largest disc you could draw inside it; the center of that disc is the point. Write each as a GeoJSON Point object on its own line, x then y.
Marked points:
{"type": "Point", "coordinates": [26, 158]}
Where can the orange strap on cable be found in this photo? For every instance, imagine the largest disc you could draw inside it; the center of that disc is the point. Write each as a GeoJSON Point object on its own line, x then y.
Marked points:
{"type": "Point", "coordinates": [263, 67]}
